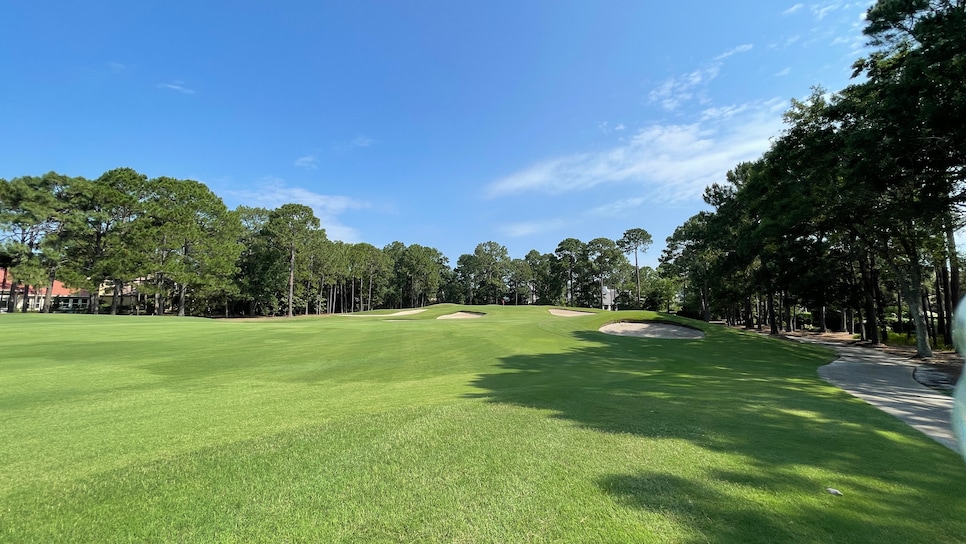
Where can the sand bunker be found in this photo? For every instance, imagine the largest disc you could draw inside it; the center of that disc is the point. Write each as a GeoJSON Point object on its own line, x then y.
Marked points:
{"type": "Point", "coordinates": [461, 315]}
{"type": "Point", "coordinates": [651, 330]}
{"type": "Point", "coordinates": [568, 313]}
{"type": "Point", "coordinates": [403, 312]}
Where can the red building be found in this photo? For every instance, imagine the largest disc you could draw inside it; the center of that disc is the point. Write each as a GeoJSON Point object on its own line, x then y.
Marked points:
{"type": "Point", "coordinates": [62, 298]}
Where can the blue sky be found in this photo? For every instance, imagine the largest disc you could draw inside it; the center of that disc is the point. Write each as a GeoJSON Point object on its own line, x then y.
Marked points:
{"type": "Point", "coordinates": [442, 123]}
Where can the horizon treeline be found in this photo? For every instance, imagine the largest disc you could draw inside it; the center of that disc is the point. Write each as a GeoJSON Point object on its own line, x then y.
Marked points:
{"type": "Point", "coordinates": [846, 222]}
{"type": "Point", "coordinates": [170, 246]}
{"type": "Point", "coordinates": [853, 209]}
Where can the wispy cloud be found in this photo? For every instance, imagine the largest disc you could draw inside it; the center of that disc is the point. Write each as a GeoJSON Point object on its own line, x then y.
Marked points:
{"type": "Point", "coordinates": [736, 50]}
{"type": "Point", "coordinates": [671, 162]}
{"type": "Point", "coordinates": [794, 9]}
{"type": "Point", "coordinates": [618, 207]}
{"type": "Point", "coordinates": [309, 162]}
{"type": "Point", "coordinates": [362, 141]}
{"type": "Point", "coordinates": [676, 91]}
{"type": "Point", "coordinates": [117, 67]}
{"type": "Point", "coordinates": [176, 86]}
{"type": "Point", "coordinates": [359, 142]}
{"type": "Point", "coordinates": [528, 228]}
{"type": "Point", "coordinates": [821, 10]}
{"type": "Point", "coordinates": [783, 72]}
{"type": "Point", "coordinates": [606, 128]}
{"type": "Point", "coordinates": [724, 112]}
{"type": "Point", "coordinates": [273, 192]}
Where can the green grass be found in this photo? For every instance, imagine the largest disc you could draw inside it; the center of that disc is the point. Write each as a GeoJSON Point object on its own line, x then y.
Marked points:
{"type": "Point", "coordinates": [515, 427]}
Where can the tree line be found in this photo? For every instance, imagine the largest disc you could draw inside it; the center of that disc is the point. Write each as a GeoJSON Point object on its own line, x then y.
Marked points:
{"type": "Point", "coordinates": [170, 246]}
{"type": "Point", "coordinates": [852, 210]}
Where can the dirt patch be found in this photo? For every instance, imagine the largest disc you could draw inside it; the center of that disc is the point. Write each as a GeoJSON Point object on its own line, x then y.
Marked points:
{"type": "Point", "coordinates": [568, 313]}
{"type": "Point", "coordinates": [651, 330]}
{"type": "Point", "coordinates": [462, 315]}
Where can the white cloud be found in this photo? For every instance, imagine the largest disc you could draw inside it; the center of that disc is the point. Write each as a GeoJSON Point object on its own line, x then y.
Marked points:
{"type": "Point", "coordinates": [724, 112]}
{"type": "Point", "coordinates": [605, 127]}
{"type": "Point", "coordinates": [177, 86]}
{"type": "Point", "coordinates": [309, 162]}
{"type": "Point", "coordinates": [670, 162]}
{"type": "Point", "coordinates": [273, 192]}
{"type": "Point", "coordinates": [117, 67]}
{"type": "Point", "coordinates": [527, 228]}
{"type": "Point", "coordinates": [676, 91]}
{"type": "Point", "coordinates": [615, 208]}
{"type": "Point", "coordinates": [736, 50]}
{"type": "Point", "coordinates": [794, 9]}
{"type": "Point", "coordinates": [784, 72]}
{"type": "Point", "coordinates": [362, 141]}
{"type": "Point", "coordinates": [821, 10]}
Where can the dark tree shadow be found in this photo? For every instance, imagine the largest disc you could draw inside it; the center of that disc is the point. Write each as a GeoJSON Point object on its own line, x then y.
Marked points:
{"type": "Point", "coordinates": [739, 394]}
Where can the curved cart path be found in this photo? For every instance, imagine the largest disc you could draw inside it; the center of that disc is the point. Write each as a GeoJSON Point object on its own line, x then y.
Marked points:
{"type": "Point", "coordinates": [887, 382]}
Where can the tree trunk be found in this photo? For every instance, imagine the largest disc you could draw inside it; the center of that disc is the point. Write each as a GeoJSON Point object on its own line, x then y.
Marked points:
{"type": "Point", "coordinates": [902, 323]}
{"type": "Point", "coordinates": [49, 295]}
{"type": "Point", "coordinates": [949, 304]}
{"type": "Point", "coordinates": [930, 323]}
{"type": "Point", "coordinates": [182, 296]}
{"type": "Point", "coordinates": [761, 313]}
{"type": "Point", "coordinates": [883, 331]}
{"type": "Point", "coordinates": [705, 303]}
{"type": "Point", "coordinates": [12, 294]}
{"type": "Point", "coordinates": [291, 279]}
{"type": "Point", "coordinates": [352, 296]}
{"type": "Point", "coordinates": [953, 265]}
{"type": "Point", "coordinates": [570, 283]}
{"type": "Point", "coordinates": [638, 270]}
{"type": "Point", "coordinates": [772, 322]}
{"type": "Point", "coordinates": [95, 301]}
{"type": "Point", "coordinates": [871, 327]}
{"type": "Point", "coordinates": [940, 309]}
{"type": "Point", "coordinates": [749, 319]}
{"type": "Point", "coordinates": [821, 319]}
{"type": "Point", "coordinates": [781, 311]}
{"type": "Point", "coordinates": [370, 292]}
{"type": "Point", "coordinates": [114, 296]}
{"type": "Point", "coordinates": [26, 299]}
{"type": "Point", "coordinates": [912, 289]}
{"type": "Point", "coordinates": [158, 300]}
{"type": "Point", "coordinates": [602, 293]}
{"type": "Point", "coordinates": [308, 290]}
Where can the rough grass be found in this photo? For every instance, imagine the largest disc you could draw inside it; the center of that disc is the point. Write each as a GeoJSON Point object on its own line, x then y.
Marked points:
{"type": "Point", "coordinates": [516, 427]}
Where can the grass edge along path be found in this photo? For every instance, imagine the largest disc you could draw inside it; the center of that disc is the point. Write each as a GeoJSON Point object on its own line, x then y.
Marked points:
{"type": "Point", "coordinates": [516, 427]}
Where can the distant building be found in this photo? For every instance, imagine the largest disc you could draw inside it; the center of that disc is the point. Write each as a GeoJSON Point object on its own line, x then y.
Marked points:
{"type": "Point", "coordinates": [62, 299]}
{"type": "Point", "coordinates": [609, 299]}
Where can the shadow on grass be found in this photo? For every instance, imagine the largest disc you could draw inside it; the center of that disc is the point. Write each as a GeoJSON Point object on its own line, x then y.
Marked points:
{"type": "Point", "coordinates": [758, 403]}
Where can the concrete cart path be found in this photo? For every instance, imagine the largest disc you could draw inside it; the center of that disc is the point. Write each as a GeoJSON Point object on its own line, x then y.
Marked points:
{"type": "Point", "coordinates": [887, 383]}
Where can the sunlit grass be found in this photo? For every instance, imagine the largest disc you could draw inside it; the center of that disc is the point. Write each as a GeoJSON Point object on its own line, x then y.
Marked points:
{"type": "Point", "coordinates": [515, 427]}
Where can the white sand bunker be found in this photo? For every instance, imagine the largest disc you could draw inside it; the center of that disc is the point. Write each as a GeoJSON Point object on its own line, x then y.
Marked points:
{"type": "Point", "coordinates": [462, 315]}
{"type": "Point", "coordinates": [568, 313]}
{"type": "Point", "coordinates": [651, 330]}
{"type": "Point", "coordinates": [403, 312]}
